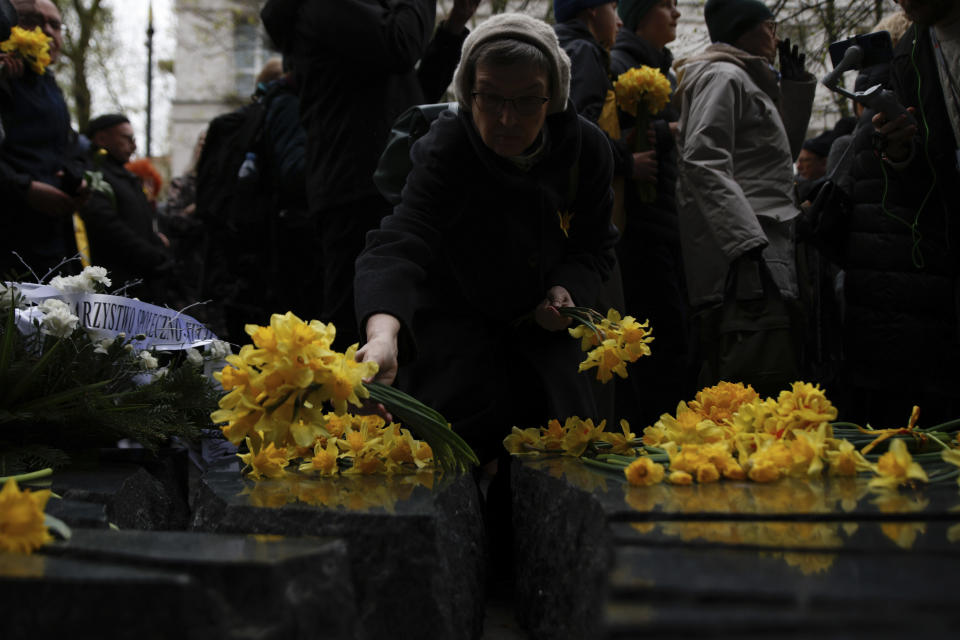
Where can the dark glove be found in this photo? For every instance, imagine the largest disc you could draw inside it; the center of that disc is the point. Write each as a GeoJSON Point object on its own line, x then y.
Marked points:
{"type": "Point", "coordinates": [791, 61]}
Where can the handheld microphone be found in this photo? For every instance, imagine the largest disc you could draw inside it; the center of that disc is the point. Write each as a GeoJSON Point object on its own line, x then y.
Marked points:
{"type": "Point", "coordinates": [852, 59]}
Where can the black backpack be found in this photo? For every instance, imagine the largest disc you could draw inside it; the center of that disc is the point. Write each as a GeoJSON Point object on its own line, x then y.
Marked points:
{"type": "Point", "coordinates": [394, 164]}
{"type": "Point", "coordinates": [223, 201]}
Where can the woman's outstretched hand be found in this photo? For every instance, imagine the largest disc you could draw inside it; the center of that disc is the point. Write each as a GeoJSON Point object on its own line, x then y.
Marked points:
{"type": "Point", "coordinates": [546, 313]}
{"type": "Point", "coordinates": [381, 346]}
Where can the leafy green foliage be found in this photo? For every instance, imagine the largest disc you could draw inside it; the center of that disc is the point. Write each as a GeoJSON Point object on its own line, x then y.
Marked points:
{"type": "Point", "coordinates": [59, 395]}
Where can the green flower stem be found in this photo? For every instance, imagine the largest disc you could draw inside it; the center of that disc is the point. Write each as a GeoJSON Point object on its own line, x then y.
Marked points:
{"type": "Point", "coordinates": [944, 426]}
{"type": "Point", "coordinates": [950, 475]}
{"type": "Point", "coordinates": [590, 462]}
{"type": "Point", "coordinates": [32, 475]}
{"type": "Point", "coordinates": [614, 458]}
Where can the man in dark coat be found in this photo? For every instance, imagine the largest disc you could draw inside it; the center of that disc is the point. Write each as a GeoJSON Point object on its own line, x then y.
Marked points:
{"type": "Point", "coordinates": [121, 229]}
{"type": "Point", "coordinates": [38, 148]}
{"type": "Point", "coordinates": [900, 253]}
{"type": "Point", "coordinates": [355, 62]}
{"type": "Point", "coordinates": [649, 248]}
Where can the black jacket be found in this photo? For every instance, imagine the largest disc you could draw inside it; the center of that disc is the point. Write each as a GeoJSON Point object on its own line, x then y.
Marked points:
{"type": "Point", "coordinates": [121, 235]}
{"type": "Point", "coordinates": [590, 82]}
{"type": "Point", "coordinates": [901, 260]}
{"type": "Point", "coordinates": [660, 216]}
{"type": "Point", "coordinates": [38, 144]}
{"type": "Point", "coordinates": [470, 252]}
{"type": "Point", "coordinates": [355, 65]}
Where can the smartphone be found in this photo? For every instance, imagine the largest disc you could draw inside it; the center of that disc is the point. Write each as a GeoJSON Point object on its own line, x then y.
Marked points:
{"type": "Point", "coordinates": [877, 48]}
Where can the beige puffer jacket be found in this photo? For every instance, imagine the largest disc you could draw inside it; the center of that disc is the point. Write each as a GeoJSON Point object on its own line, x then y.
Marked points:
{"type": "Point", "coordinates": [740, 131]}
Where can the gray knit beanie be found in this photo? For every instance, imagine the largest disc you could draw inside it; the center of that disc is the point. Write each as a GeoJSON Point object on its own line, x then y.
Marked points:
{"type": "Point", "coordinates": [516, 26]}
{"type": "Point", "coordinates": [727, 20]}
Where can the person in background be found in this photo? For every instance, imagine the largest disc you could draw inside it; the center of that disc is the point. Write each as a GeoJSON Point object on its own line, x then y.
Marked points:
{"type": "Point", "coordinates": [649, 247]}
{"type": "Point", "coordinates": [900, 243]}
{"type": "Point", "coordinates": [121, 229]}
{"type": "Point", "coordinates": [41, 171]}
{"type": "Point", "coordinates": [359, 64]}
{"type": "Point", "coordinates": [741, 126]}
{"type": "Point", "coordinates": [586, 29]}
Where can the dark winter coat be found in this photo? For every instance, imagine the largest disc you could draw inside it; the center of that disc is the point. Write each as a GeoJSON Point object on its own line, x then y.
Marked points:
{"type": "Point", "coordinates": [355, 64]}
{"type": "Point", "coordinates": [649, 255]}
{"type": "Point", "coordinates": [660, 216]}
{"type": "Point", "coordinates": [466, 257]}
{"type": "Point", "coordinates": [590, 82]}
{"type": "Point", "coordinates": [121, 235]}
{"type": "Point", "coordinates": [901, 262]}
{"type": "Point", "coordinates": [38, 144]}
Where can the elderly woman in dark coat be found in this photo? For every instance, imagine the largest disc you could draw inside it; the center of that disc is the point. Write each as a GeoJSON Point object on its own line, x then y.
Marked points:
{"type": "Point", "coordinates": [504, 218]}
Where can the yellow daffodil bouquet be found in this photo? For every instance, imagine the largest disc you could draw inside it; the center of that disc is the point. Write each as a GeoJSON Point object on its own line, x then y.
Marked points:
{"type": "Point", "coordinates": [32, 46]}
{"type": "Point", "coordinates": [642, 92]}
{"type": "Point", "coordinates": [278, 390]}
{"type": "Point", "coordinates": [610, 342]}
{"type": "Point", "coordinates": [730, 431]}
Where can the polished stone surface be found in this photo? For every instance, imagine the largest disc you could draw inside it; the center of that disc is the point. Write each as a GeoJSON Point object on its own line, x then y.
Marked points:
{"type": "Point", "coordinates": [827, 498]}
{"type": "Point", "coordinates": [732, 558]}
{"type": "Point", "coordinates": [75, 513]}
{"type": "Point", "coordinates": [415, 543]}
{"type": "Point", "coordinates": [178, 583]}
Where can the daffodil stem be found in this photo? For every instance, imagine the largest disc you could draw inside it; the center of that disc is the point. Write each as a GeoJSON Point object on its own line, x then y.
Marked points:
{"type": "Point", "coordinates": [33, 475]}
{"type": "Point", "coordinates": [606, 466]}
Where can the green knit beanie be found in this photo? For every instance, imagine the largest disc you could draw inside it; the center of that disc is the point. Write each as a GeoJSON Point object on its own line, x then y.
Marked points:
{"type": "Point", "coordinates": [632, 12]}
{"type": "Point", "coordinates": [727, 20]}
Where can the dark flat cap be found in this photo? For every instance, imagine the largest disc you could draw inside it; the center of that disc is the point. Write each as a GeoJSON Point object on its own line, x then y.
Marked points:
{"type": "Point", "coordinates": [104, 122]}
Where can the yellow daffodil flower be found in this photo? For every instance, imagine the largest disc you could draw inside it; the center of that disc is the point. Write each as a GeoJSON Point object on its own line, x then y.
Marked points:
{"type": "Point", "coordinates": [644, 472]}
{"type": "Point", "coordinates": [844, 459]}
{"type": "Point", "coordinates": [33, 46]}
{"type": "Point", "coordinates": [580, 433]}
{"type": "Point", "coordinates": [953, 457]}
{"type": "Point", "coordinates": [621, 441]}
{"type": "Point", "coordinates": [720, 402]}
{"type": "Point", "coordinates": [642, 85]}
{"type": "Point", "coordinates": [519, 440]}
{"type": "Point", "coordinates": [265, 461]}
{"type": "Point", "coordinates": [22, 527]}
{"type": "Point", "coordinates": [897, 467]}
{"type": "Point", "coordinates": [324, 459]}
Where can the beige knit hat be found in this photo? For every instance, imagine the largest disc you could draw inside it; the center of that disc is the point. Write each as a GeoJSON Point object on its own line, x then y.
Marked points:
{"type": "Point", "coordinates": [518, 26]}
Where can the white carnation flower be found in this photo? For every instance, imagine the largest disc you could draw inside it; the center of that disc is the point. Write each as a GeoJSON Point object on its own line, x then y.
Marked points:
{"type": "Point", "coordinates": [194, 357]}
{"type": "Point", "coordinates": [103, 345]}
{"type": "Point", "coordinates": [218, 349]}
{"type": "Point", "coordinates": [147, 360]}
{"type": "Point", "coordinates": [96, 276]}
{"type": "Point", "coordinates": [58, 321]}
{"type": "Point", "coordinates": [72, 284]}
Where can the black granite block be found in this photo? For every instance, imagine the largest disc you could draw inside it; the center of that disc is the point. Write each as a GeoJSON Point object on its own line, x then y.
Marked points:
{"type": "Point", "coordinates": [186, 584]}
{"type": "Point", "coordinates": [139, 489]}
{"type": "Point", "coordinates": [74, 513]}
{"type": "Point", "coordinates": [47, 597]}
{"type": "Point", "coordinates": [562, 553]}
{"type": "Point", "coordinates": [414, 542]}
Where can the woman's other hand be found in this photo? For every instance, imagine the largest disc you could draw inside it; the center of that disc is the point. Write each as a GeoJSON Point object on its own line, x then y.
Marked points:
{"type": "Point", "coordinates": [546, 313]}
{"type": "Point", "coordinates": [381, 346]}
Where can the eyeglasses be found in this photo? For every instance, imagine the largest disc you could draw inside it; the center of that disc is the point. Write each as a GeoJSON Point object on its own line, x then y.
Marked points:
{"type": "Point", "coordinates": [30, 20]}
{"type": "Point", "coordinates": [524, 105]}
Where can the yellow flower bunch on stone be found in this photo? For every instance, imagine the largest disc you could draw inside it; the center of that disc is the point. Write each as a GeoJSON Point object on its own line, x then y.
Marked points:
{"type": "Point", "coordinates": [644, 86]}
{"type": "Point", "coordinates": [352, 444]}
{"type": "Point", "coordinates": [611, 343]}
{"type": "Point", "coordinates": [571, 438]}
{"type": "Point", "coordinates": [22, 527]}
{"type": "Point", "coordinates": [33, 47]}
{"type": "Point", "coordinates": [278, 385]}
